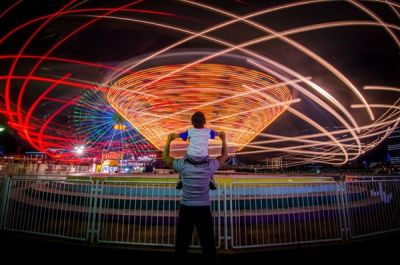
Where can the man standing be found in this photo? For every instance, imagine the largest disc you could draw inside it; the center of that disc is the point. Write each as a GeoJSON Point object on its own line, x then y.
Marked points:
{"type": "Point", "coordinates": [195, 205]}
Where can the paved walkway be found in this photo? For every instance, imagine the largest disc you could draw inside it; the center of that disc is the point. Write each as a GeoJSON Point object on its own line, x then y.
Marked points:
{"type": "Point", "coordinates": [23, 249]}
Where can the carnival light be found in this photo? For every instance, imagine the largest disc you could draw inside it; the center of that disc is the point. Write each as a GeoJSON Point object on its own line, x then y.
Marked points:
{"type": "Point", "coordinates": [216, 90]}
{"type": "Point", "coordinates": [157, 91]}
{"type": "Point", "coordinates": [79, 149]}
{"type": "Point", "coordinates": [103, 129]}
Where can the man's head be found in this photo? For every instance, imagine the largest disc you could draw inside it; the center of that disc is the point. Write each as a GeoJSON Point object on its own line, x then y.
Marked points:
{"type": "Point", "coordinates": [198, 120]}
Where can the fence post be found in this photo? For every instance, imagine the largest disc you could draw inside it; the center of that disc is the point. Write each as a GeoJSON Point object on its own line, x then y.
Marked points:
{"type": "Point", "coordinates": [92, 223]}
{"type": "Point", "coordinates": [225, 218]}
{"type": "Point", "coordinates": [344, 209]}
{"type": "Point", "coordinates": [231, 214]}
{"type": "Point", "coordinates": [3, 201]}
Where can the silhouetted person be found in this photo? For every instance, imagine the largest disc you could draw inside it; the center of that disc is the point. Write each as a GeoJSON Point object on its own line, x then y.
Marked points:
{"type": "Point", "coordinates": [195, 205]}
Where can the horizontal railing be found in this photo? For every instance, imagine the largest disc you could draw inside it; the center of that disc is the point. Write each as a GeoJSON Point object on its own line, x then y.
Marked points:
{"type": "Point", "coordinates": [148, 215]}
{"type": "Point", "coordinates": [49, 207]}
{"type": "Point", "coordinates": [3, 198]}
{"type": "Point", "coordinates": [16, 168]}
{"type": "Point", "coordinates": [245, 214]}
{"type": "Point", "coordinates": [269, 214]}
{"type": "Point", "coordinates": [375, 211]}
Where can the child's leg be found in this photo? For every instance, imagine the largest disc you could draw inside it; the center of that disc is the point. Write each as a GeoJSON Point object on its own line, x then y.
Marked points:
{"type": "Point", "coordinates": [212, 185]}
{"type": "Point", "coordinates": [179, 183]}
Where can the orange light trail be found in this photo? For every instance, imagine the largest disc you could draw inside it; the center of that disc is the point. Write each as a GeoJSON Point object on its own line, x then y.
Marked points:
{"type": "Point", "coordinates": [218, 87]}
{"type": "Point", "coordinates": [244, 99]}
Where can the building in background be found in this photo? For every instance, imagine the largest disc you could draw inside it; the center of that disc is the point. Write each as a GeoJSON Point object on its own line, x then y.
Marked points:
{"type": "Point", "coordinates": [393, 155]}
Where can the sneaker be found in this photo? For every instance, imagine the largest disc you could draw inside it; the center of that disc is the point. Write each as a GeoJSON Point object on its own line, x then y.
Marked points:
{"type": "Point", "coordinates": [212, 185]}
{"type": "Point", "coordinates": [179, 184]}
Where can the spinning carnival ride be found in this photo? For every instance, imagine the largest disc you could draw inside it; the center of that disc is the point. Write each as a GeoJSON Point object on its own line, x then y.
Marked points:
{"type": "Point", "coordinates": [309, 88]}
{"type": "Point", "coordinates": [106, 133]}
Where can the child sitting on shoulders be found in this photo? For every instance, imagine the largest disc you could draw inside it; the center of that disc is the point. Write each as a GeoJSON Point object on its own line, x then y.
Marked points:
{"type": "Point", "coordinates": [197, 152]}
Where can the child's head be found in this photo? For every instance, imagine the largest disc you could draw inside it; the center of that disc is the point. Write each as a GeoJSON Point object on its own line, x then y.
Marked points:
{"type": "Point", "coordinates": [198, 120]}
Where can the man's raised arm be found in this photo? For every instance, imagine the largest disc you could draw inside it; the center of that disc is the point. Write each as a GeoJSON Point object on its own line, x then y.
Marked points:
{"type": "Point", "coordinates": [224, 151]}
{"type": "Point", "coordinates": [165, 156]}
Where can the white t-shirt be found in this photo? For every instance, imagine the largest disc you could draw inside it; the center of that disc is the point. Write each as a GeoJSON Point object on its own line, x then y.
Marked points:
{"type": "Point", "coordinates": [198, 141]}
{"type": "Point", "coordinates": [195, 181]}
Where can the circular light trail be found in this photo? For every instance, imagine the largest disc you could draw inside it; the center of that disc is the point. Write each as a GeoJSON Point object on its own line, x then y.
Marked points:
{"type": "Point", "coordinates": [219, 91]}
{"type": "Point", "coordinates": [313, 111]}
{"type": "Point", "coordinates": [104, 130]}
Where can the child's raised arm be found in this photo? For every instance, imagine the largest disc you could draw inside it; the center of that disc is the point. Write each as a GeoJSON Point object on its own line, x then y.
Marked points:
{"type": "Point", "coordinates": [183, 135]}
{"type": "Point", "coordinates": [214, 134]}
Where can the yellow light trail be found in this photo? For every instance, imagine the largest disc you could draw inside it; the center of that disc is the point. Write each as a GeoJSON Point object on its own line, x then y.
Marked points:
{"type": "Point", "coordinates": [218, 87]}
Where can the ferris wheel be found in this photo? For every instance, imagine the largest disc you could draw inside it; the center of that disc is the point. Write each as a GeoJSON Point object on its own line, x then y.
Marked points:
{"type": "Point", "coordinates": [103, 132]}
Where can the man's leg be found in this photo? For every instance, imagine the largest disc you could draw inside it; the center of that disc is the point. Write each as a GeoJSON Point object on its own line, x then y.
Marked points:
{"type": "Point", "coordinates": [205, 231]}
{"type": "Point", "coordinates": [184, 232]}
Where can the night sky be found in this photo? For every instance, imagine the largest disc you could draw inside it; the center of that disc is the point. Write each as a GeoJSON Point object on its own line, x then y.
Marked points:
{"type": "Point", "coordinates": [365, 55]}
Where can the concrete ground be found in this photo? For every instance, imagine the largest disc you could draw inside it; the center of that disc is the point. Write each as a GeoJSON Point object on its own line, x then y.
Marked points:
{"type": "Point", "coordinates": [24, 249]}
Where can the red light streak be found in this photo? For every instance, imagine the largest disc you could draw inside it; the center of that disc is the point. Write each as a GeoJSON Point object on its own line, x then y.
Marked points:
{"type": "Point", "coordinates": [327, 145]}
{"type": "Point", "coordinates": [9, 8]}
{"type": "Point", "coordinates": [33, 69]}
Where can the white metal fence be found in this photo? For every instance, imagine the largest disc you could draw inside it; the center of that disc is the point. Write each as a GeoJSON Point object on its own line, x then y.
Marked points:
{"type": "Point", "coordinates": [267, 214]}
{"type": "Point", "coordinates": [49, 207]}
{"type": "Point", "coordinates": [3, 198]}
{"type": "Point", "coordinates": [34, 168]}
{"type": "Point", "coordinates": [246, 215]}
{"type": "Point", "coordinates": [373, 206]}
{"type": "Point", "coordinates": [143, 213]}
